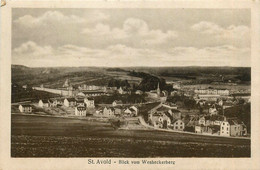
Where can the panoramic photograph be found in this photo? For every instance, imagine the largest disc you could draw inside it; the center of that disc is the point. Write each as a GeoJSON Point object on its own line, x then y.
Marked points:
{"type": "Point", "coordinates": [130, 83]}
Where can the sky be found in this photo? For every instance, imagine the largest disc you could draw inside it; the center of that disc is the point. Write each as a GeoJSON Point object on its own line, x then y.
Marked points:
{"type": "Point", "coordinates": [131, 37]}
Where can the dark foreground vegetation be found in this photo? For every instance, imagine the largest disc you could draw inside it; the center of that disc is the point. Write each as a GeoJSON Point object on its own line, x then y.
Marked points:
{"type": "Point", "coordinates": [34, 136]}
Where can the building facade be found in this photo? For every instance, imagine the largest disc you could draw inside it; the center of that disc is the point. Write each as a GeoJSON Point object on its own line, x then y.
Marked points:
{"type": "Point", "coordinates": [25, 108]}
{"type": "Point", "coordinates": [80, 111]}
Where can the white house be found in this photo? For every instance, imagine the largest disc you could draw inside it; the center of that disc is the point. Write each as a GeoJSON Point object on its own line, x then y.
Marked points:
{"type": "Point", "coordinates": [89, 102]}
{"type": "Point", "coordinates": [70, 102]}
{"type": "Point", "coordinates": [25, 108]}
{"type": "Point", "coordinates": [52, 103]}
{"type": "Point", "coordinates": [232, 127]}
{"type": "Point", "coordinates": [59, 101]}
{"type": "Point", "coordinates": [120, 91]}
{"type": "Point", "coordinates": [135, 110]}
{"type": "Point", "coordinates": [159, 120]}
{"type": "Point", "coordinates": [108, 112]}
{"type": "Point", "coordinates": [128, 111]}
{"type": "Point", "coordinates": [80, 111]}
{"type": "Point", "coordinates": [178, 124]}
{"type": "Point", "coordinates": [213, 111]}
{"type": "Point", "coordinates": [139, 92]}
{"type": "Point", "coordinates": [43, 103]}
{"type": "Point", "coordinates": [117, 103]}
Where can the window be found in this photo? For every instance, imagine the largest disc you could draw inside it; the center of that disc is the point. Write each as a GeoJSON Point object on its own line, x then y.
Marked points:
{"type": "Point", "coordinates": [235, 128]}
{"type": "Point", "coordinates": [227, 128]}
{"type": "Point", "coordinates": [227, 132]}
{"type": "Point", "coordinates": [223, 123]}
{"type": "Point", "coordinates": [176, 127]}
{"type": "Point", "coordinates": [222, 128]}
{"type": "Point", "coordinates": [176, 123]}
{"type": "Point", "coordinates": [181, 127]}
{"type": "Point", "coordinates": [181, 123]}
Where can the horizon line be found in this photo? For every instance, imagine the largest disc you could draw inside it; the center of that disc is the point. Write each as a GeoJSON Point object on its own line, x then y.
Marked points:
{"type": "Point", "coordinates": [124, 66]}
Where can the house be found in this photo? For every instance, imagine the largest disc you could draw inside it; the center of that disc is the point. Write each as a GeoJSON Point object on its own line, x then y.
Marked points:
{"type": "Point", "coordinates": [232, 127]}
{"type": "Point", "coordinates": [199, 128]}
{"type": "Point", "coordinates": [80, 102]}
{"type": "Point", "coordinates": [59, 102]}
{"type": "Point", "coordinates": [91, 93]}
{"type": "Point", "coordinates": [52, 103]}
{"type": "Point", "coordinates": [138, 92]}
{"type": "Point", "coordinates": [216, 119]}
{"type": "Point", "coordinates": [91, 87]}
{"type": "Point", "coordinates": [204, 120]}
{"type": "Point", "coordinates": [215, 109]}
{"type": "Point", "coordinates": [173, 112]}
{"type": "Point", "coordinates": [25, 108]}
{"type": "Point", "coordinates": [90, 102]}
{"type": "Point", "coordinates": [178, 124]}
{"type": "Point", "coordinates": [43, 103]}
{"type": "Point", "coordinates": [80, 111]}
{"type": "Point", "coordinates": [130, 112]}
{"type": "Point", "coordinates": [117, 103]}
{"type": "Point", "coordinates": [70, 102]}
{"type": "Point", "coordinates": [176, 85]}
{"type": "Point", "coordinates": [120, 91]}
{"type": "Point", "coordinates": [24, 86]}
{"type": "Point", "coordinates": [118, 111]}
{"type": "Point", "coordinates": [159, 120]}
{"type": "Point", "coordinates": [108, 112]}
{"type": "Point", "coordinates": [99, 111]}
{"type": "Point", "coordinates": [127, 111]}
{"type": "Point", "coordinates": [135, 110]}
{"type": "Point", "coordinates": [211, 129]}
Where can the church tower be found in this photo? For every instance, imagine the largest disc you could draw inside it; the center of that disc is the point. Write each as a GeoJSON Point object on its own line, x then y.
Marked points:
{"type": "Point", "coordinates": [158, 90]}
{"type": "Point", "coordinates": [67, 83]}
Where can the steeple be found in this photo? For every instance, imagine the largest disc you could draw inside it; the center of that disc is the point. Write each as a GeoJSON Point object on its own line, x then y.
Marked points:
{"type": "Point", "coordinates": [67, 83]}
{"type": "Point", "coordinates": [158, 89]}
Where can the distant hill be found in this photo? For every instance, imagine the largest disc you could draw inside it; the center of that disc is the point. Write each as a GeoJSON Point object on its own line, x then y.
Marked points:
{"type": "Point", "coordinates": [34, 76]}
{"type": "Point", "coordinates": [55, 76]}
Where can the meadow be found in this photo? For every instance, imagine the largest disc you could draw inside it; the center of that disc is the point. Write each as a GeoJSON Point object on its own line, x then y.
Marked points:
{"type": "Point", "coordinates": [38, 136]}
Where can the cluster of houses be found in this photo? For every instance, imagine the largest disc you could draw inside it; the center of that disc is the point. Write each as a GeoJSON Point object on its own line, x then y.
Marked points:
{"type": "Point", "coordinates": [87, 102]}
{"type": "Point", "coordinates": [117, 111]}
{"type": "Point", "coordinates": [166, 115]}
{"type": "Point", "coordinates": [80, 104]}
{"type": "Point", "coordinates": [218, 125]}
{"type": "Point", "coordinates": [25, 108]}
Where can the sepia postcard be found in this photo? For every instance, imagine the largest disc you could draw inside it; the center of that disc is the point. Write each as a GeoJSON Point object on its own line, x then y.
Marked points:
{"type": "Point", "coordinates": [130, 85]}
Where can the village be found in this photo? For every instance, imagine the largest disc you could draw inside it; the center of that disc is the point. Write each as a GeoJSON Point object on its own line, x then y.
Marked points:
{"type": "Point", "coordinates": [157, 111]}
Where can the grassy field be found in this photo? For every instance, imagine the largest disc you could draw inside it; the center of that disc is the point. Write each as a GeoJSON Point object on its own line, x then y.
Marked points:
{"type": "Point", "coordinates": [35, 136]}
